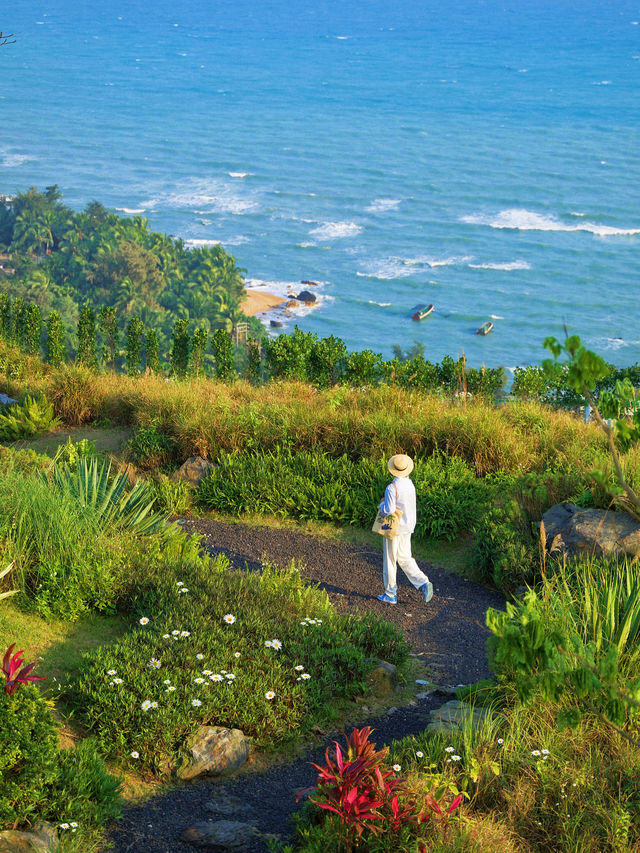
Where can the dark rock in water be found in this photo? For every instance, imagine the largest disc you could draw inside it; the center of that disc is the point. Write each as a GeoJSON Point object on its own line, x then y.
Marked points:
{"type": "Point", "coordinates": [305, 296]}
{"type": "Point", "coordinates": [591, 531]}
{"type": "Point", "coordinates": [311, 283]}
{"type": "Point", "coordinates": [275, 324]}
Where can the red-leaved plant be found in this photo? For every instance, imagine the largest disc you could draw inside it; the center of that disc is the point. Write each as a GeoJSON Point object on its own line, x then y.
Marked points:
{"type": "Point", "coordinates": [367, 797]}
{"type": "Point", "coordinates": [13, 674]}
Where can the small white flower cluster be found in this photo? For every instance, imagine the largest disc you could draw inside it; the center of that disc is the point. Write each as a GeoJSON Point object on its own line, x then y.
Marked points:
{"type": "Point", "coordinates": [537, 753]}
{"type": "Point", "coordinates": [176, 635]}
{"type": "Point", "coordinates": [304, 677]}
{"type": "Point", "coordinates": [453, 758]}
{"type": "Point", "coordinates": [181, 586]}
{"type": "Point", "coordinates": [148, 704]}
{"type": "Point", "coordinates": [273, 644]}
{"type": "Point", "coordinates": [309, 621]}
{"type": "Point", "coordinates": [72, 825]}
{"type": "Point", "coordinates": [154, 663]}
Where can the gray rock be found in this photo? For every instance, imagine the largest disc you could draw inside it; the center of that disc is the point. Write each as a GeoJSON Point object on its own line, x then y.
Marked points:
{"type": "Point", "coordinates": [577, 531]}
{"type": "Point", "coordinates": [220, 835]}
{"type": "Point", "coordinates": [453, 715]}
{"type": "Point", "coordinates": [225, 804]}
{"type": "Point", "coordinates": [43, 837]}
{"type": "Point", "coordinates": [306, 296]}
{"type": "Point", "coordinates": [383, 678]}
{"type": "Point", "coordinates": [215, 751]}
{"type": "Point", "coordinates": [193, 470]}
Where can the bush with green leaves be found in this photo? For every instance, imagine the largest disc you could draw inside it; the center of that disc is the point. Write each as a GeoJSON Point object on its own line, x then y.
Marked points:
{"type": "Point", "coordinates": [152, 351]}
{"type": "Point", "coordinates": [150, 447]}
{"type": "Point", "coordinates": [39, 782]}
{"type": "Point", "coordinates": [263, 652]}
{"type": "Point", "coordinates": [173, 497]}
{"type": "Point", "coordinates": [68, 454]}
{"type": "Point", "coordinates": [133, 353]}
{"type": "Point", "coordinates": [180, 348]}
{"type": "Point", "coordinates": [87, 348]}
{"type": "Point", "coordinates": [55, 347]}
{"type": "Point", "coordinates": [316, 486]}
{"type": "Point", "coordinates": [21, 420]}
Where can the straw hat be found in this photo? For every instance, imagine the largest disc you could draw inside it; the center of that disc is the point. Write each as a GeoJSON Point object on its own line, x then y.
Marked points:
{"type": "Point", "coordinates": [400, 465]}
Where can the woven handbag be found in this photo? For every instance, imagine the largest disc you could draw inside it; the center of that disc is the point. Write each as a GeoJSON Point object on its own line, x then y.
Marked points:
{"type": "Point", "coordinates": [387, 525]}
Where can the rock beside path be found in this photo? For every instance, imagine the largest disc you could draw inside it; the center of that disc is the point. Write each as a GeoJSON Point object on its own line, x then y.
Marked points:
{"type": "Point", "coordinates": [220, 835]}
{"type": "Point", "coordinates": [214, 751]}
{"type": "Point", "coordinates": [591, 531]}
{"type": "Point", "coordinates": [43, 837]}
{"type": "Point", "coordinates": [193, 471]}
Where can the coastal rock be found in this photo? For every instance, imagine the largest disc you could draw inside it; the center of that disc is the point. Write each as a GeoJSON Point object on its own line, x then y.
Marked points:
{"type": "Point", "coordinates": [43, 837]}
{"type": "Point", "coordinates": [453, 714]}
{"type": "Point", "coordinates": [383, 678]}
{"type": "Point", "coordinates": [305, 296]}
{"type": "Point", "coordinates": [215, 751]}
{"type": "Point", "coordinates": [275, 324]}
{"type": "Point", "coordinates": [193, 470]}
{"type": "Point", "coordinates": [575, 530]}
{"type": "Point", "coordinates": [220, 835]}
{"type": "Point", "coordinates": [309, 283]}
{"type": "Point", "coordinates": [292, 303]}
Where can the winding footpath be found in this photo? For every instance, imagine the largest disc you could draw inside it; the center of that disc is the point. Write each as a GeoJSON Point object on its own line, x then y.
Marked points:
{"type": "Point", "coordinates": [448, 634]}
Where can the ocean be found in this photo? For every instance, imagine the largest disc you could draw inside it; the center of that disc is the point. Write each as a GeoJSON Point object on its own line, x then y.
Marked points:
{"type": "Point", "coordinates": [479, 155]}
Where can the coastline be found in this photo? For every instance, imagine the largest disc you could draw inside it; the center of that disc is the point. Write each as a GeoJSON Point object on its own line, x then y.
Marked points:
{"type": "Point", "coordinates": [256, 301]}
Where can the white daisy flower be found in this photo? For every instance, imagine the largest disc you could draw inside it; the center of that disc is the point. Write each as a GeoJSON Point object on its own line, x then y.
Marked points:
{"type": "Point", "coordinates": [144, 620]}
{"type": "Point", "coordinates": [111, 671]}
{"type": "Point", "coordinates": [179, 583]}
{"type": "Point", "coordinates": [184, 589]}
{"type": "Point", "coordinates": [535, 752]}
{"type": "Point", "coordinates": [299, 668]}
{"type": "Point", "coordinates": [199, 657]}
{"type": "Point", "coordinates": [73, 823]}
{"type": "Point", "coordinates": [176, 633]}
{"type": "Point", "coordinates": [223, 671]}
{"type": "Point", "coordinates": [64, 826]}
{"type": "Point", "coordinates": [544, 751]}
{"type": "Point", "coordinates": [135, 754]}
{"type": "Point", "coordinates": [216, 677]}
{"type": "Point", "coordinates": [236, 654]}
{"type": "Point", "coordinates": [397, 768]}
{"type": "Point", "coordinates": [305, 676]}
{"type": "Point", "coordinates": [170, 689]}
{"type": "Point", "coordinates": [206, 672]}
{"type": "Point", "coordinates": [276, 644]}
{"type": "Point", "coordinates": [268, 643]}
{"type": "Point", "coordinates": [456, 758]}
{"type": "Point", "coordinates": [118, 681]}
{"type": "Point", "coordinates": [500, 741]}
{"type": "Point", "coordinates": [154, 663]}
{"type": "Point", "coordinates": [269, 694]}
{"type": "Point", "coordinates": [229, 618]}
{"type": "Point", "coordinates": [448, 749]}
{"type": "Point", "coordinates": [167, 681]}
{"type": "Point", "coordinates": [198, 680]}
{"type": "Point", "coordinates": [230, 676]}
{"type": "Point", "coordinates": [146, 705]}
{"type": "Point", "coordinates": [419, 754]}
{"type": "Point", "coordinates": [196, 703]}
{"type": "Point", "coordinates": [185, 633]}
{"type": "Point", "coordinates": [166, 636]}
{"type": "Point", "coordinates": [154, 705]}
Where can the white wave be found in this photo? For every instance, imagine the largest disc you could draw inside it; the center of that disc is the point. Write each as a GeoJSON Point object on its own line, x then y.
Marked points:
{"type": "Point", "coordinates": [509, 265]}
{"type": "Point", "coordinates": [496, 317]}
{"type": "Point", "coordinates": [609, 343]}
{"type": "Point", "coordinates": [134, 211]}
{"type": "Point", "coordinates": [343, 38]}
{"type": "Point", "coordinates": [197, 243]}
{"type": "Point", "coordinates": [335, 230]}
{"type": "Point", "coordinates": [10, 160]}
{"type": "Point", "coordinates": [379, 205]}
{"type": "Point", "coordinates": [211, 193]}
{"type": "Point", "coordinates": [381, 304]}
{"type": "Point", "coordinates": [205, 221]}
{"type": "Point", "coordinates": [603, 83]}
{"type": "Point", "coordinates": [394, 267]}
{"type": "Point", "coordinates": [239, 174]}
{"type": "Point", "coordinates": [575, 213]}
{"type": "Point", "coordinates": [521, 219]}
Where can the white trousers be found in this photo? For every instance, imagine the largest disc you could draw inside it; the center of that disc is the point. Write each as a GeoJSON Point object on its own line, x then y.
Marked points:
{"type": "Point", "coordinates": [397, 551]}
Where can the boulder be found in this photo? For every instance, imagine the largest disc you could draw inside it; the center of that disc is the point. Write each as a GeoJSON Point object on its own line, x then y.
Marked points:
{"type": "Point", "coordinates": [591, 531]}
{"type": "Point", "coordinates": [193, 470]}
{"type": "Point", "coordinates": [383, 678]}
{"type": "Point", "coordinates": [220, 835]}
{"type": "Point", "coordinates": [306, 296]}
{"type": "Point", "coordinates": [43, 837]}
{"type": "Point", "coordinates": [214, 751]}
{"type": "Point", "coordinates": [452, 715]}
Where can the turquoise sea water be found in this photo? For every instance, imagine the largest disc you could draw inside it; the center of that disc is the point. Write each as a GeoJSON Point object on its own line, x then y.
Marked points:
{"type": "Point", "coordinates": [483, 156]}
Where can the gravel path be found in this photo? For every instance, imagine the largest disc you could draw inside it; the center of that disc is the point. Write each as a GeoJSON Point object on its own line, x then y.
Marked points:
{"type": "Point", "coordinates": [448, 633]}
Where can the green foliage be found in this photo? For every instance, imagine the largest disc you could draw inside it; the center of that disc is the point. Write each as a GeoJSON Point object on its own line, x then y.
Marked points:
{"type": "Point", "coordinates": [173, 497]}
{"type": "Point", "coordinates": [28, 754]}
{"type": "Point", "coordinates": [198, 352]}
{"type": "Point", "coordinates": [286, 355]}
{"type": "Point", "coordinates": [254, 361]}
{"type": "Point", "coordinates": [107, 318]}
{"type": "Point", "coordinates": [135, 333]}
{"type": "Point", "coordinates": [223, 355]}
{"type": "Point", "coordinates": [325, 360]}
{"type": "Point", "coordinates": [182, 639]}
{"type": "Point", "coordinates": [87, 353]}
{"type": "Point", "coordinates": [55, 349]}
{"type": "Point", "coordinates": [30, 417]}
{"type": "Point", "coordinates": [5, 317]}
{"type": "Point", "coordinates": [67, 455]}
{"type": "Point", "coordinates": [152, 351]}
{"type": "Point", "coordinates": [362, 368]}
{"type": "Point", "coordinates": [150, 447]}
{"type": "Point", "coordinates": [577, 638]}
{"type": "Point", "coordinates": [180, 349]}
{"type": "Point", "coordinates": [32, 329]}
{"type": "Point", "coordinates": [315, 486]}
{"type": "Point", "coordinates": [502, 553]}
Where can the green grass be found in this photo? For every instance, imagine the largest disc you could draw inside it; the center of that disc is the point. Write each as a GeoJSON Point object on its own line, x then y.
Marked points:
{"type": "Point", "coordinates": [109, 440]}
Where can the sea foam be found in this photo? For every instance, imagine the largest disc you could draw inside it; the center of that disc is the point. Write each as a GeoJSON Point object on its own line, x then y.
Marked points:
{"type": "Point", "coordinates": [507, 266]}
{"type": "Point", "coordinates": [133, 211]}
{"type": "Point", "coordinates": [335, 230]}
{"type": "Point", "coordinates": [214, 194]}
{"type": "Point", "coordinates": [521, 219]}
{"type": "Point", "coordinates": [379, 205]}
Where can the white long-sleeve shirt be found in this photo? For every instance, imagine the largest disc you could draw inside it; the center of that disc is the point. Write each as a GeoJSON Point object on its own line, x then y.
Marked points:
{"type": "Point", "coordinates": [401, 494]}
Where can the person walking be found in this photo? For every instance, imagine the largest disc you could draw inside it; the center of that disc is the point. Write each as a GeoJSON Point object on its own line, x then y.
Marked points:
{"type": "Point", "coordinates": [401, 494]}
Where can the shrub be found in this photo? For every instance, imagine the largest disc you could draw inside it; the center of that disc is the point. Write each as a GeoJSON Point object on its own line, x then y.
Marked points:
{"type": "Point", "coordinates": [28, 418]}
{"type": "Point", "coordinates": [214, 646]}
{"type": "Point", "coordinates": [87, 351]}
{"type": "Point", "coordinates": [223, 355]}
{"type": "Point", "coordinates": [180, 348]}
{"type": "Point", "coordinates": [67, 455]}
{"type": "Point", "coordinates": [55, 348]}
{"type": "Point", "coordinates": [173, 497]}
{"type": "Point", "coordinates": [150, 447]}
{"type": "Point", "coordinates": [133, 354]}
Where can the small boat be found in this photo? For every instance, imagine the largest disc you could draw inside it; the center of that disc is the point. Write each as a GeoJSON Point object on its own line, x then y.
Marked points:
{"type": "Point", "coordinates": [485, 328]}
{"type": "Point", "coordinates": [423, 312]}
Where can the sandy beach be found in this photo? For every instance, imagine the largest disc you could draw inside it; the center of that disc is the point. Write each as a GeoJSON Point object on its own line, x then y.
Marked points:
{"type": "Point", "coordinates": [256, 301]}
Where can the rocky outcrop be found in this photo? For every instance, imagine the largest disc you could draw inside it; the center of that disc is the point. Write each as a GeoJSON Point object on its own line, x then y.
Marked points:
{"type": "Point", "coordinates": [214, 751]}
{"type": "Point", "coordinates": [193, 470]}
{"type": "Point", "coordinates": [306, 296]}
{"type": "Point", "coordinates": [576, 531]}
